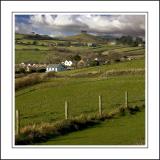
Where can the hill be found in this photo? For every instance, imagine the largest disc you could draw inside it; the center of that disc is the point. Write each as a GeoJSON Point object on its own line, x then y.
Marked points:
{"type": "Point", "coordinates": [83, 37]}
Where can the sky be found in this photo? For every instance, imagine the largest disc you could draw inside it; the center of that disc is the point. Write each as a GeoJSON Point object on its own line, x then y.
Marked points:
{"type": "Point", "coordinates": [57, 25]}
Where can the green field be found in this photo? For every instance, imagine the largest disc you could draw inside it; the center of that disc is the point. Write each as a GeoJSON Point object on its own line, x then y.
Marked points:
{"type": "Point", "coordinates": [30, 55]}
{"type": "Point", "coordinates": [116, 66]}
{"type": "Point", "coordinates": [31, 47]}
{"type": "Point", "coordinates": [44, 102]}
{"type": "Point", "coordinates": [24, 53]}
{"type": "Point", "coordinates": [126, 130]}
{"type": "Point", "coordinates": [27, 51]}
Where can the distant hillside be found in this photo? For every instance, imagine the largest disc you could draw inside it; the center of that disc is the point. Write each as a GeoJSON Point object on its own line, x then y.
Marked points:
{"type": "Point", "coordinates": [108, 37]}
{"type": "Point", "coordinates": [19, 36]}
{"type": "Point", "coordinates": [33, 36]}
{"type": "Point", "coordinates": [84, 38]}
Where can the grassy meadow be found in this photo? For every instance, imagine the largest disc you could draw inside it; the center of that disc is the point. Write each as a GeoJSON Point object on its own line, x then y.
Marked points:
{"type": "Point", "coordinates": [43, 101]}
{"type": "Point", "coordinates": [129, 129]}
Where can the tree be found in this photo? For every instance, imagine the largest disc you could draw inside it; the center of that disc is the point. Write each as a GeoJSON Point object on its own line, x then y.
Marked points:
{"type": "Point", "coordinates": [77, 57]}
{"type": "Point", "coordinates": [94, 63]}
{"type": "Point", "coordinates": [35, 42]}
{"type": "Point", "coordinates": [126, 40]}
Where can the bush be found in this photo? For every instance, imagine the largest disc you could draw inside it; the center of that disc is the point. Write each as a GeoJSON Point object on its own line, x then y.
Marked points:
{"type": "Point", "coordinates": [51, 74]}
{"type": "Point", "coordinates": [94, 63]}
{"type": "Point", "coordinates": [40, 70]}
{"type": "Point", "coordinates": [35, 43]}
{"type": "Point", "coordinates": [27, 81]}
{"type": "Point", "coordinates": [32, 70]}
{"type": "Point", "coordinates": [19, 70]}
{"type": "Point", "coordinates": [133, 110]}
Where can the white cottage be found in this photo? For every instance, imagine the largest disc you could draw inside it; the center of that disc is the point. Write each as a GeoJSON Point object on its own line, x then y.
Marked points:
{"type": "Point", "coordinates": [68, 63]}
{"type": "Point", "coordinates": [55, 68]}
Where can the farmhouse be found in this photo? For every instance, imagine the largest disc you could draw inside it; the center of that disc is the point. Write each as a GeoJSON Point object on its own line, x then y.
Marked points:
{"type": "Point", "coordinates": [112, 43]}
{"type": "Point", "coordinates": [55, 67]}
{"type": "Point", "coordinates": [67, 63]}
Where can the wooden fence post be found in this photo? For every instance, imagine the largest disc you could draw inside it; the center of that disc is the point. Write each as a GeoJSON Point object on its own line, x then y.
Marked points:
{"type": "Point", "coordinates": [66, 110]}
{"type": "Point", "coordinates": [100, 105]}
{"type": "Point", "coordinates": [17, 122]}
{"type": "Point", "coordinates": [126, 99]}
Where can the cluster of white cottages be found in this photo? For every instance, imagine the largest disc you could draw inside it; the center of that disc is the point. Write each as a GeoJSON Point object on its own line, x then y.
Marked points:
{"type": "Point", "coordinates": [59, 67]}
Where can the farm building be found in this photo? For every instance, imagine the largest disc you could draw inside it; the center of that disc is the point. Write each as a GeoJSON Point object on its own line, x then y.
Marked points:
{"type": "Point", "coordinates": [67, 63]}
{"type": "Point", "coordinates": [55, 67]}
{"type": "Point", "coordinates": [112, 43]}
{"type": "Point", "coordinates": [91, 44]}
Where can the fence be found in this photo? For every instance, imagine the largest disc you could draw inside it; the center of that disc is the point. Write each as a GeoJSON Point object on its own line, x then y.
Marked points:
{"type": "Point", "coordinates": [66, 110]}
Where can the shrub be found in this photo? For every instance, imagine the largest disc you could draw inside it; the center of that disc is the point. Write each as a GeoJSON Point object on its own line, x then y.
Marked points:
{"type": "Point", "coordinates": [94, 63]}
{"type": "Point", "coordinates": [133, 110]}
{"type": "Point", "coordinates": [27, 81]}
{"type": "Point", "coordinates": [19, 70]}
{"type": "Point", "coordinates": [32, 70]}
{"type": "Point", "coordinates": [40, 70]}
{"type": "Point", "coordinates": [35, 43]}
{"type": "Point", "coordinates": [51, 74]}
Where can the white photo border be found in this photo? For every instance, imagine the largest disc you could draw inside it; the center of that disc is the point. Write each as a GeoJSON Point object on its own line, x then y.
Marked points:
{"type": "Point", "coordinates": [13, 80]}
{"type": "Point", "coordinates": [152, 149]}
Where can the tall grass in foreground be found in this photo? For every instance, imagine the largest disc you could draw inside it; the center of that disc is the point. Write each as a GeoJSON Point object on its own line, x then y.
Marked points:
{"type": "Point", "coordinates": [39, 133]}
{"type": "Point", "coordinates": [32, 79]}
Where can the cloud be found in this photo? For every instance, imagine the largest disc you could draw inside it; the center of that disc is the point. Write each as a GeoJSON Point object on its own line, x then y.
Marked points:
{"type": "Point", "coordinates": [23, 28]}
{"type": "Point", "coordinates": [94, 23]}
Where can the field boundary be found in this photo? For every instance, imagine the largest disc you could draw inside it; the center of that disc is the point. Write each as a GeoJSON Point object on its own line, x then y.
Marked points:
{"type": "Point", "coordinates": [40, 133]}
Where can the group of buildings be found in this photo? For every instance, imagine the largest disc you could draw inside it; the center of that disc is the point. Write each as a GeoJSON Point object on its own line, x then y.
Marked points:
{"type": "Point", "coordinates": [65, 65]}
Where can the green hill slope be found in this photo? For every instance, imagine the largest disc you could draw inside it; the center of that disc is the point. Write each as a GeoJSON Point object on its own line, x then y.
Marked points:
{"type": "Point", "coordinates": [85, 38]}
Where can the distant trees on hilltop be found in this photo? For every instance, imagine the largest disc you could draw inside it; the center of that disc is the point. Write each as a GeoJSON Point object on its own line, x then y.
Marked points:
{"type": "Point", "coordinates": [129, 40]}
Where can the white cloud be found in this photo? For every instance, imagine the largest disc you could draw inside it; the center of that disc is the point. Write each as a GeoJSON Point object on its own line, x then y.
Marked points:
{"type": "Point", "coordinates": [23, 28]}
{"type": "Point", "coordinates": [113, 24]}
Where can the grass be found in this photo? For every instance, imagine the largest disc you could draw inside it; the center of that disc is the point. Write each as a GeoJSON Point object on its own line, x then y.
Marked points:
{"type": "Point", "coordinates": [28, 80]}
{"type": "Point", "coordinates": [126, 49]}
{"type": "Point", "coordinates": [41, 103]}
{"type": "Point", "coordinates": [126, 130]}
{"type": "Point", "coordinates": [31, 47]}
{"type": "Point", "coordinates": [31, 55]}
{"type": "Point", "coordinates": [115, 66]}
{"type": "Point", "coordinates": [45, 102]}
{"type": "Point", "coordinates": [43, 132]}
{"type": "Point", "coordinates": [38, 53]}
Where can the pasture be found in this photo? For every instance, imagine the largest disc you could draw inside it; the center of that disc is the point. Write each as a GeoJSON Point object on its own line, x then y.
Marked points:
{"type": "Point", "coordinates": [44, 102]}
{"type": "Point", "coordinates": [126, 130]}
{"type": "Point", "coordinates": [37, 51]}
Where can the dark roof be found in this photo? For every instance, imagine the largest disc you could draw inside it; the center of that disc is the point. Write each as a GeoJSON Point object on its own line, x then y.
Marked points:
{"type": "Point", "coordinates": [55, 65]}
